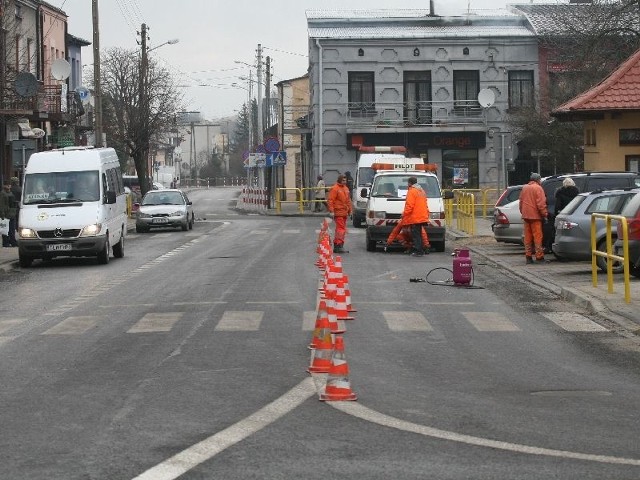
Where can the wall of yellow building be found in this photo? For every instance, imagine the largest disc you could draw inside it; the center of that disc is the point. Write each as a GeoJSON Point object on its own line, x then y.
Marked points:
{"type": "Point", "coordinates": [608, 154]}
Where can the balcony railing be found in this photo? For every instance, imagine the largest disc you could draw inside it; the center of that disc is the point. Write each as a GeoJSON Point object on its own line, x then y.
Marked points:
{"type": "Point", "coordinates": [415, 114]}
{"type": "Point", "coordinates": [49, 99]}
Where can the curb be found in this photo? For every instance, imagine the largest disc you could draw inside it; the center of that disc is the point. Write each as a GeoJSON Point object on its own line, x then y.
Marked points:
{"type": "Point", "coordinates": [592, 304]}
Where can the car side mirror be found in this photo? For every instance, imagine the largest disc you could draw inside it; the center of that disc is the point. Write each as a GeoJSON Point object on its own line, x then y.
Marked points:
{"type": "Point", "coordinates": [364, 193]}
{"type": "Point", "coordinates": [111, 197]}
{"type": "Point", "coordinates": [189, 202]}
{"type": "Point", "coordinates": [448, 194]}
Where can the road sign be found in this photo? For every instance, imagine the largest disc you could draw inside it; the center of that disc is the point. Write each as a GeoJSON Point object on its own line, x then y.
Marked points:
{"type": "Point", "coordinates": [276, 159]}
{"type": "Point", "coordinates": [272, 144]}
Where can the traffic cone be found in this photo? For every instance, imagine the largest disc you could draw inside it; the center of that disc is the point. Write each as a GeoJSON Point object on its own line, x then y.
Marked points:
{"type": "Point", "coordinates": [341, 302]}
{"type": "Point", "coordinates": [338, 387]}
{"type": "Point", "coordinates": [322, 330]}
{"type": "Point", "coordinates": [347, 294]}
{"type": "Point", "coordinates": [335, 324]}
{"type": "Point", "coordinates": [321, 355]}
{"type": "Point", "coordinates": [322, 252]}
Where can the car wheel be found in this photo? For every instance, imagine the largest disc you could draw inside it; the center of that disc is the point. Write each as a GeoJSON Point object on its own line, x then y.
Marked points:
{"type": "Point", "coordinates": [357, 222]}
{"type": "Point", "coordinates": [141, 229]}
{"type": "Point", "coordinates": [371, 243]}
{"type": "Point", "coordinates": [438, 246]}
{"type": "Point", "coordinates": [191, 223]}
{"type": "Point", "coordinates": [118, 248]}
{"type": "Point", "coordinates": [602, 261]}
{"type": "Point", "coordinates": [103, 255]}
{"type": "Point", "coordinates": [25, 261]}
{"type": "Point", "coordinates": [185, 225]}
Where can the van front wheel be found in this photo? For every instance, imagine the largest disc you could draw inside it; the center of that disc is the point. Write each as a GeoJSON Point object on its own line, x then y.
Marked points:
{"type": "Point", "coordinates": [25, 261]}
{"type": "Point", "coordinates": [371, 243]}
{"type": "Point", "coordinates": [103, 255]}
{"type": "Point", "coordinates": [118, 248]}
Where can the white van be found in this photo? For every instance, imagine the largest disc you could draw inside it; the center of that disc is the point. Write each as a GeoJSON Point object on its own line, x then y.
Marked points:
{"type": "Point", "coordinates": [387, 196]}
{"type": "Point", "coordinates": [73, 204]}
{"type": "Point", "coordinates": [367, 156]}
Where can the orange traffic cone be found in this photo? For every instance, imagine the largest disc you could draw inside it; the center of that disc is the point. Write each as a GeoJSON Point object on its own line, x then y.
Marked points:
{"type": "Point", "coordinates": [341, 302]}
{"type": "Point", "coordinates": [335, 324]}
{"type": "Point", "coordinates": [347, 294]}
{"type": "Point", "coordinates": [322, 330]}
{"type": "Point", "coordinates": [338, 387]}
{"type": "Point", "coordinates": [321, 356]}
{"type": "Point", "coordinates": [322, 247]}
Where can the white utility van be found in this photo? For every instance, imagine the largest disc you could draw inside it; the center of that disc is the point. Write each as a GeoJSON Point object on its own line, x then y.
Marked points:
{"type": "Point", "coordinates": [367, 156]}
{"type": "Point", "coordinates": [73, 204]}
{"type": "Point", "coordinates": [387, 196]}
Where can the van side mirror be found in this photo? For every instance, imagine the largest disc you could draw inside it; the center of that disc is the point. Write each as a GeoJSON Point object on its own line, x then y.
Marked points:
{"type": "Point", "coordinates": [364, 193]}
{"type": "Point", "coordinates": [111, 197]}
{"type": "Point", "coordinates": [448, 194]}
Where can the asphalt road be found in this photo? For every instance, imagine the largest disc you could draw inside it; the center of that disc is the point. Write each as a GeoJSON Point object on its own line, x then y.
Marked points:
{"type": "Point", "coordinates": [187, 359]}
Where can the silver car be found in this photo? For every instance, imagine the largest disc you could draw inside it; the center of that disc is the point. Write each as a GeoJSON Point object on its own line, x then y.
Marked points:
{"type": "Point", "coordinates": [507, 223]}
{"type": "Point", "coordinates": [573, 225]}
{"type": "Point", "coordinates": [164, 208]}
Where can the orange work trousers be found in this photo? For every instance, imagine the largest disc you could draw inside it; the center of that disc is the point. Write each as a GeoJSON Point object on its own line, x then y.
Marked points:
{"type": "Point", "coordinates": [533, 238]}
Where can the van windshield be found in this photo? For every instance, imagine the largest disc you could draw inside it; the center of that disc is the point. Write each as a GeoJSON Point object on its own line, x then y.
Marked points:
{"type": "Point", "coordinates": [61, 187]}
{"type": "Point", "coordinates": [396, 186]}
{"type": "Point", "coordinates": [365, 176]}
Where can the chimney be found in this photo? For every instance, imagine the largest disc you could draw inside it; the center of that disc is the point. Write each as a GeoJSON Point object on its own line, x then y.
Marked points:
{"type": "Point", "coordinates": [431, 9]}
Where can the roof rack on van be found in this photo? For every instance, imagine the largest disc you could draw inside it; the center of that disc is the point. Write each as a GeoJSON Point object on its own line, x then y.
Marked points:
{"type": "Point", "coordinates": [406, 167]}
{"type": "Point", "coordinates": [380, 149]}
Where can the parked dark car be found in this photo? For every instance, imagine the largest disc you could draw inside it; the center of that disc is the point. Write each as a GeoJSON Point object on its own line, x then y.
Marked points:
{"type": "Point", "coordinates": [632, 213]}
{"type": "Point", "coordinates": [585, 182]}
{"type": "Point", "coordinates": [573, 225]}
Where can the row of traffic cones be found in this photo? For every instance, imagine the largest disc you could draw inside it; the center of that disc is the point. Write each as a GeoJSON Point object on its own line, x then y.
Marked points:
{"type": "Point", "coordinates": [334, 307]}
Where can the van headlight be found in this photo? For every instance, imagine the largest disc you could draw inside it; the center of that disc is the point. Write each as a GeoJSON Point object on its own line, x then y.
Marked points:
{"type": "Point", "coordinates": [91, 230]}
{"type": "Point", "coordinates": [27, 233]}
{"type": "Point", "coordinates": [177, 213]}
{"type": "Point", "coordinates": [377, 214]}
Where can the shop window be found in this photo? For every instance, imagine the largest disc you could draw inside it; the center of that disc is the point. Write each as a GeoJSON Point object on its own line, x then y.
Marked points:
{"type": "Point", "coordinates": [460, 169]}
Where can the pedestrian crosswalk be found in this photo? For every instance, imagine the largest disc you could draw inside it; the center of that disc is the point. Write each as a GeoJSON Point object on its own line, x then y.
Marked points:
{"type": "Point", "coordinates": [253, 320]}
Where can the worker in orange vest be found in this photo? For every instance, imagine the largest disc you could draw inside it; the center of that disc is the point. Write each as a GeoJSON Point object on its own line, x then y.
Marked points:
{"type": "Point", "coordinates": [339, 202]}
{"type": "Point", "coordinates": [533, 209]}
{"type": "Point", "coordinates": [416, 214]}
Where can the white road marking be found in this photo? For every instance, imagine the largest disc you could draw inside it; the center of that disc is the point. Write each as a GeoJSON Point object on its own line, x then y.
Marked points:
{"type": "Point", "coordinates": [184, 461]}
{"type": "Point", "coordinates": [156, 322]}
{"type": "Point", "coordinates": [259, 231]}
{"type": "Point", "coordinates": [72, 326]}
{"type": "Point", "coordinates": [8, 323]}
{"type": "Point", "coordinates": [360, 411]}
{"type": "Point", "coordinates": [4, 340]}
{"type": "Point", "coordinates": [239, 321]}
{"type": "Point", "coordinates": [407, 321]}
{"type": "Point", "coordinates": [291, 231]}
{"type": "Point", "coordinates": [490, 322]}
{"type": "Point", "coordinates": [574, 322]}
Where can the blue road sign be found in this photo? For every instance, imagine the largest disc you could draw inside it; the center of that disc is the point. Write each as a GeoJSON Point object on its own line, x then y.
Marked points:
{"type": "Point", "coordinates": [276, 158]}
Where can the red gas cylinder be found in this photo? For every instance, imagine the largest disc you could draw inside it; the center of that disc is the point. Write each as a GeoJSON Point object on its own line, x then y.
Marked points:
{"type": "Point", "coordinates": [462, 269]}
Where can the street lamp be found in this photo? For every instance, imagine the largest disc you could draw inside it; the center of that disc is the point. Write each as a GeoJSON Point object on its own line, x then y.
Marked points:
{"type": "Point", "coordinates": [173, 41]}
{"type": "Point", "coordinates": [144, 101]}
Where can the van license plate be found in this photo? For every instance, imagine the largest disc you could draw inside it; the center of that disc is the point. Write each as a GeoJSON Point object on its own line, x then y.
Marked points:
{"type": "Point", "coordinates": [58, 247]}
{"type": "Point", "coordinates": [160, 220]}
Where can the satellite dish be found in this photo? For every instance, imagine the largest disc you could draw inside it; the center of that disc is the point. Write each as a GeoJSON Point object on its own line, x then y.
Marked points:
{"type": "Point", "coordinates": [84, 94]}
{"type": "Point", "coordinates": [486, 97]}
{"type": "Point", "coordinates": [26, 84]}
{"type": "Point", "coordinates": [38, 132]}
{"type": "Point", "coordinates": [60, 69]}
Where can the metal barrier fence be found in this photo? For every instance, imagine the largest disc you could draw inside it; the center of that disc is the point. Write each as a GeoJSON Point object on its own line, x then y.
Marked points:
{"type": "Point", "coordinates": [488, 197]}
{"type": "Point", "coordinates": [465, 212]}
{"type": "Point", "coordinates": [609, 255]}
{"type": "Point", "coordinates": [299, 198]}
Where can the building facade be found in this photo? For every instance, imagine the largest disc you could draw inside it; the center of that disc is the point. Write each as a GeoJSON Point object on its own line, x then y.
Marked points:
{"type": "Point", "coordinates": [440, 86]}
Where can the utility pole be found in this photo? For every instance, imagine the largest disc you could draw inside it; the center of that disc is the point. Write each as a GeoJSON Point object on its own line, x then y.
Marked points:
{"type": "Point", "coordinates": [259, 73]}
{"type": "Point", "coordinates": [267, 93]}
{"type": "Point", "coordinates": [143, 102]}
{"type": "Point", "coordinates": [97, 89]}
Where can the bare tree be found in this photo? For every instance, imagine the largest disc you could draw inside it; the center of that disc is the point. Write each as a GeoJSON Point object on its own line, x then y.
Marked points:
{"type": "Point", "coordinates": [134, 116]}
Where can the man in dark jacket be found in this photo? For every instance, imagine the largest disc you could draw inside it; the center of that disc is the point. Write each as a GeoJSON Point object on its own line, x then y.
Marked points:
{"type": "Point", "coordinates": [565, 194]}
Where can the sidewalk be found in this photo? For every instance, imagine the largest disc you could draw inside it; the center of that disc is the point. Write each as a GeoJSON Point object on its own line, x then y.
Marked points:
{"type": "Point", "coordinates": [571, 280]}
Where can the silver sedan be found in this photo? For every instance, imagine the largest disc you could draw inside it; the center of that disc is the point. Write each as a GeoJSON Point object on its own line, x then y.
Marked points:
{"type": "Point", "coordinates": [165, 208]}
{"type": "Point", "coordinates": [507, 223]}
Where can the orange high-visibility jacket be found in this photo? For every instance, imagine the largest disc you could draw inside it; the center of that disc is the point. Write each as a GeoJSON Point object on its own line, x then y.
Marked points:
{"type": "Point", "coordinates": [416, 209]}
{"type": "Point", "coordinates": [533, 203]}
{"type": "Point", "coordinates": [339, 200]}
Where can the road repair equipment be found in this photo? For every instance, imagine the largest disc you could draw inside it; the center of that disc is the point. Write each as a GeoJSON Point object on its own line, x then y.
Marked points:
{"type": "Point", "coordinates": [462, 268]}
{"type": "Point", "coordinates": [338, 387]}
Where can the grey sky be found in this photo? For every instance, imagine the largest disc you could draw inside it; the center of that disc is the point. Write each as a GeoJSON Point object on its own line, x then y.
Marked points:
{"type": "Point", "coordinates": [214, 33]}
